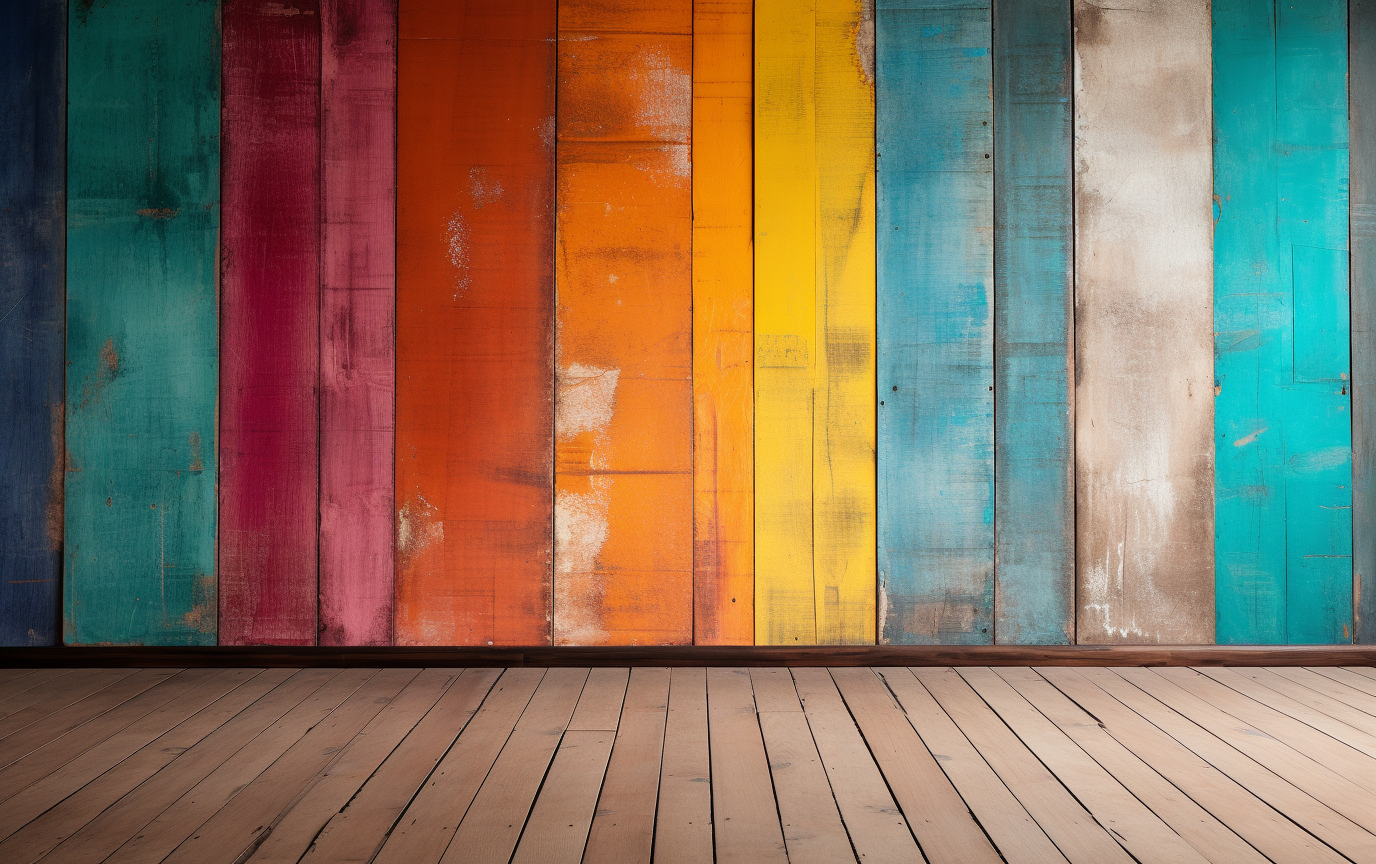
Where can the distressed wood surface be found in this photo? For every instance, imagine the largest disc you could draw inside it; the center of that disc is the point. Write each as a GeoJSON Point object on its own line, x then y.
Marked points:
{"type": "Point", "coordinates": [142, 219]}
{"type": "Point", "coordinates": [1034, 359]}
{"type": "Point", "coordinates": [270, 324]}
{"type": "Point", "coordinates": [475, 296]}
{"type": "Point", "coordinates": [623, 491]}
{"type": "Point", "coordinates": [785, 319]}
{"type": "Point", "coordinates": [357, 328]}
{"type": "Point", "coordinates": [1282, 427]}
{"type": "Point", "coordinates": [1361, 78]}
{"type": "Point", "coordinates": [843, 451]}
{"type": "Point", "coordinates": [33, 81]}
{"type": "Point", "coordinates": [936, 353]}
{"type": "Point", "coordinates": [723, 325]}
{"type": "Point", "coordinates": [1143, 323]}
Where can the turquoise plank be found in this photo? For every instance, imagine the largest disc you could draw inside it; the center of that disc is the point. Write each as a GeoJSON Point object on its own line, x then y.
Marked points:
{"type": "Point", "coordinates": [142, 364]}
{"type": "Point", "coordinates": [1034, 438]}
{"type": "Point", "coordinates": [1362, 107]}
{"type": "Point", "coordinates": [33, 59]}
{"type": "Point", "coordinates": [935, 331]}
{"type": "Point", "coordinates": [1282, 420]}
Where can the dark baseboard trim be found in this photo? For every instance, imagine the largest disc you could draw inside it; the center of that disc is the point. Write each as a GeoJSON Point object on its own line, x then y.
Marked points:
{"type": "Point", "coordinates": [699, 655]}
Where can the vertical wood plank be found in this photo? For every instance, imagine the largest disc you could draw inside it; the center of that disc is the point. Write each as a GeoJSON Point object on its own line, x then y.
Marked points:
{"type": "Point", "coordinates": [785, 318]}
{"type": "Point", "coordinates": [357, 331]}
{"type": "Point", "coordinates": [936, 353]}
{"type": "Point", "coordinates": [723, 327]}
{"type": "Point", "coordinates": [33, 81]}
{"type": "Point", "coordinates": [1361, 76]}
{"type": "Point", "coordinates": [270, 324]}
{"type": "Point", "coordinates": [1143, 323]}
{"type": "Point", "coordinates": [143, 213]}
{"type": "Point", "coordinates": [1034, 435]}
{"type": "Point", "coordinates": [475, 294]}
{"type": "Point", "coordinates": [623, 499]}
{"type": "Point", "coordinates": [843, 452]}
{"type": "Point", "coordinates": [1282, 428]}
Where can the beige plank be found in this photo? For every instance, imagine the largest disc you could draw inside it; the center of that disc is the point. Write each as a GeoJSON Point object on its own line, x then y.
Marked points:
{"type": "Point", "coordinates": [1349, 678]}
{"type": "Point", "coordinates": [683, 822]}
{"type": "Point", "coordinates": [1246, 796]}
{"type": "Point", "coordinates": [62, 821]}
{"type": "Point", "coordinates": [357, 831]}
{"type": "Point", "coordinates": [156, 840]}
{"type": "Point", "coordinates": [1333, 698]}
{"type": "Point", "coordinates": [70, 715]}
{"type": "Point", "coordinates": [745, 822]}
{"type": "Point", "coordinates": [813, 831]}
{"type": "Point", "coordinates": [1141, 831]}
{"type": "Point", "coordinates": [22, 691]}
{"type": "Point", "coordinates": [134, 809]}
{"type": "Point", "coordinates": [1213, 839]}
{"type": "Point", "coordinates": [1331, 717]}
{"type": "Point", "coordinates": [8, 675]}
{"type": "Point", "coordinates": [599, 707]}
{"type": "Point", "coordinates": [557, 830]}
{"type": "Point", "coordinates": [37, 703]}
{"type": "Point", "coordinates": [1015, 833]}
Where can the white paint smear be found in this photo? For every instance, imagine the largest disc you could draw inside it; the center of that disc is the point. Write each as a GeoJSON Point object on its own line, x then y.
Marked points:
{"type": "Point", "coordinates": [585, 400]}
{"type": "Point", "coordinates": [580, 531]}
{"type": "Point", "coordinates": [483, 188]}
{"type": "Point", "coordinates": [457, 235]}
{"type": "Point", "coordinates": [1248, 439]}
{"type": "Point", "coordinates": [666, 97]}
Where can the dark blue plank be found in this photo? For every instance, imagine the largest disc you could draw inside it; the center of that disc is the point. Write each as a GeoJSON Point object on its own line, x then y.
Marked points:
{"type": "Point", "coordinates": [33, 59]}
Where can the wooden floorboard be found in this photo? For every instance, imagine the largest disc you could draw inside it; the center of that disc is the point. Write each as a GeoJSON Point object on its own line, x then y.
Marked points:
{"type": "Point", "coordinates": [689, 765]}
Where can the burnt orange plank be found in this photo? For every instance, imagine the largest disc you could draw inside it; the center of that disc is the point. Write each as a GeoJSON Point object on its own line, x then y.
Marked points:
{"type": "Point", "coordinates": [623, 417]}
{"type": "Point", "coordinates": [475, 179]}
{"type": "Point", "coordinates": [723, 324]}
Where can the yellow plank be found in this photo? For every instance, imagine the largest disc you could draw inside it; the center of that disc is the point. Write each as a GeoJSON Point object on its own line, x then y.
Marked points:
{"type": "Point", "coordinates": [723, 286]}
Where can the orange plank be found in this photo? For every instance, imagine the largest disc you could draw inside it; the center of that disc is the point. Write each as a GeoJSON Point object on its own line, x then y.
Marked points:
{"type": "Point", "coordinates": [723, 324]}
{"type": "Point", "coordinates": [623, 419]}
{"type": "Point", "coordinates": [475, 179]}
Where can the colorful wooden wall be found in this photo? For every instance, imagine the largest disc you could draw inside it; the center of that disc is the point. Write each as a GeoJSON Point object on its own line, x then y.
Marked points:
{"type": "Point", "coordinates": [504, 322]}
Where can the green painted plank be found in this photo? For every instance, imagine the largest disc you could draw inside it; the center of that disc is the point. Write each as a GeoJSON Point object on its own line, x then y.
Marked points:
{"type": "Point", "coordinates": [1034, 436]}
{"type": "Point", "coordinates": [1282, 428]}
{"type": "Point", "coordinates": [142, 357]}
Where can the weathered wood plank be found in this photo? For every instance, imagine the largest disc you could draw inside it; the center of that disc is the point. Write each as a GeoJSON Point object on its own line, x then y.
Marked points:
{"type": "Point", "coordinates": [1143, 323]}
{"type": "Point", "coordinates": [623, 829]}
{"type": "Point", "coordinates": [623, 491]}
{"type": "Point", "coordinates": [683, 822]}
{"type": "Point", "coordinates": [745, 819]}
{"type": "Point", "coordinates": [936, 352]}
{"type": "Point", "coordinates": [33, 100]}
{"type": "Point", "coordinates": [1281, 421]}
{"type": "Point", "coordinates": [143, 195]}
{"type": "Point", "coordinates": [785, 319]}
{"type": "Point", "coordinates": [358, 318]}
{"type": "Point", "coordinates": [270, 324]}
{"type": "Point", "coordinates": [475, 295]}
{"type": "Point", "coordinates": [723, 325]}
{"type": "Point", "coordinates": [1361, 103]}
{"type": "Point", "coordinates": [1034, 350]}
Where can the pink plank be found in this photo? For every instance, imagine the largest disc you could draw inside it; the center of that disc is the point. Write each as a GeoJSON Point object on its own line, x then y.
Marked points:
{"type": "Point", "coordinates": [269, 322]}
{"type": "Point", "coordinates": [357, 357]}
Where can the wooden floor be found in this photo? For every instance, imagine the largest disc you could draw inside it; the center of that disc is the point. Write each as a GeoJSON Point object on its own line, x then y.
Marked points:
{"type": "Point", "coordinates": [1089, 765]}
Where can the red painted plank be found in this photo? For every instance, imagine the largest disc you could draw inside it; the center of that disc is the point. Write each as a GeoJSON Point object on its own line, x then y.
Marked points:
{"type": "Point", "coordinates": [358, 237]}
{"type": "Point", "coordinates": [475, 312]}
{"type": "Point", "coordinates": [270, 322]}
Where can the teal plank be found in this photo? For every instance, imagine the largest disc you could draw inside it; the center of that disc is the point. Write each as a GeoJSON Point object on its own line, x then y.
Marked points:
{"type": "Point", "coordinates": [1034, 439]}
{"type": "Point", "coordinates": [1362, 107]}
{"type": "Point", "coordinates": [935, 329]}
{"type": "Point", "coordinates": [1282, 420]}
{"type": "Point", "coordinates": [142, 367]}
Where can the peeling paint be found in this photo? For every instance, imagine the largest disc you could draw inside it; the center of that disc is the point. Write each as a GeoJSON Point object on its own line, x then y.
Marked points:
{"type": "Point", "coordinates": [585, 401]}
{"type": "Point", "coordinates": [864, 41]}
{"type": "Point", "coordinates": [1248, 439]}
{"type": "Point", "coordinates": [581, 528]}
{"type": "Point", "coordinates": [159, 212]}
{"type": "Point", "coordinates": [194, 443]}
{"type": "Point", "coordinates": [666, 95]}
{"type": "Point", "coordinates": [418, 527]}
{"type": "Point", "coordinates": [456, 235]}
{"type": "Point", "coordinates": [483, 188]}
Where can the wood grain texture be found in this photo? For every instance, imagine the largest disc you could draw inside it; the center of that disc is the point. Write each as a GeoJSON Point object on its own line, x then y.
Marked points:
{"type": "Point", "coordinates": [358, 318]}
{"type": "Point", "coordinates": [1143, 323]}
{"type": "Point", "coordinates": [1361, 101]}
{"type": "Point", "coordinates": [936, 354]}
{"type": "Point", "coordinates": [723, 325]}
{"type": "Point", "coordinates": [1034, 296]}
{"type": "Point", "coordinates": [475, 174]}
{"type": "Point", "coordinates": [143, 195]}
{"type": "Point", "coordinates": [1282, 427]}
{"type": "Point", "coordinates": [33, 98]}
{"type": "Point", "coordinates": [270, 324]}
{"type": "Point", "coordinates": [623, 491]}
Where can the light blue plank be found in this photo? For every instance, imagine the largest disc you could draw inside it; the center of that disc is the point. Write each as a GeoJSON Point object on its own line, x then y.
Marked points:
{"type": "Point", "coordinates": [935, 331]}
{"type": "Point", "coordinates": [1034, 438]}
{"type": "Point", "coordinates": [1282, 419]}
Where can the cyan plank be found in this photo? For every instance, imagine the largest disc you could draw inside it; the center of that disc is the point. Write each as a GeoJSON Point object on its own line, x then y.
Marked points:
{"type": "Point", "coordinates": [1034, 458]}
{"type": "Point", "coordinates": [935, 334]}
{"type": "Point", "coordinates": [142, 357]}
{"type": "Point", "coordinates": [1282, 421]}
{"type": "Point", "coordinates": [33, 59]}
{"type": "Point", "coordinates": [1362, 141]}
